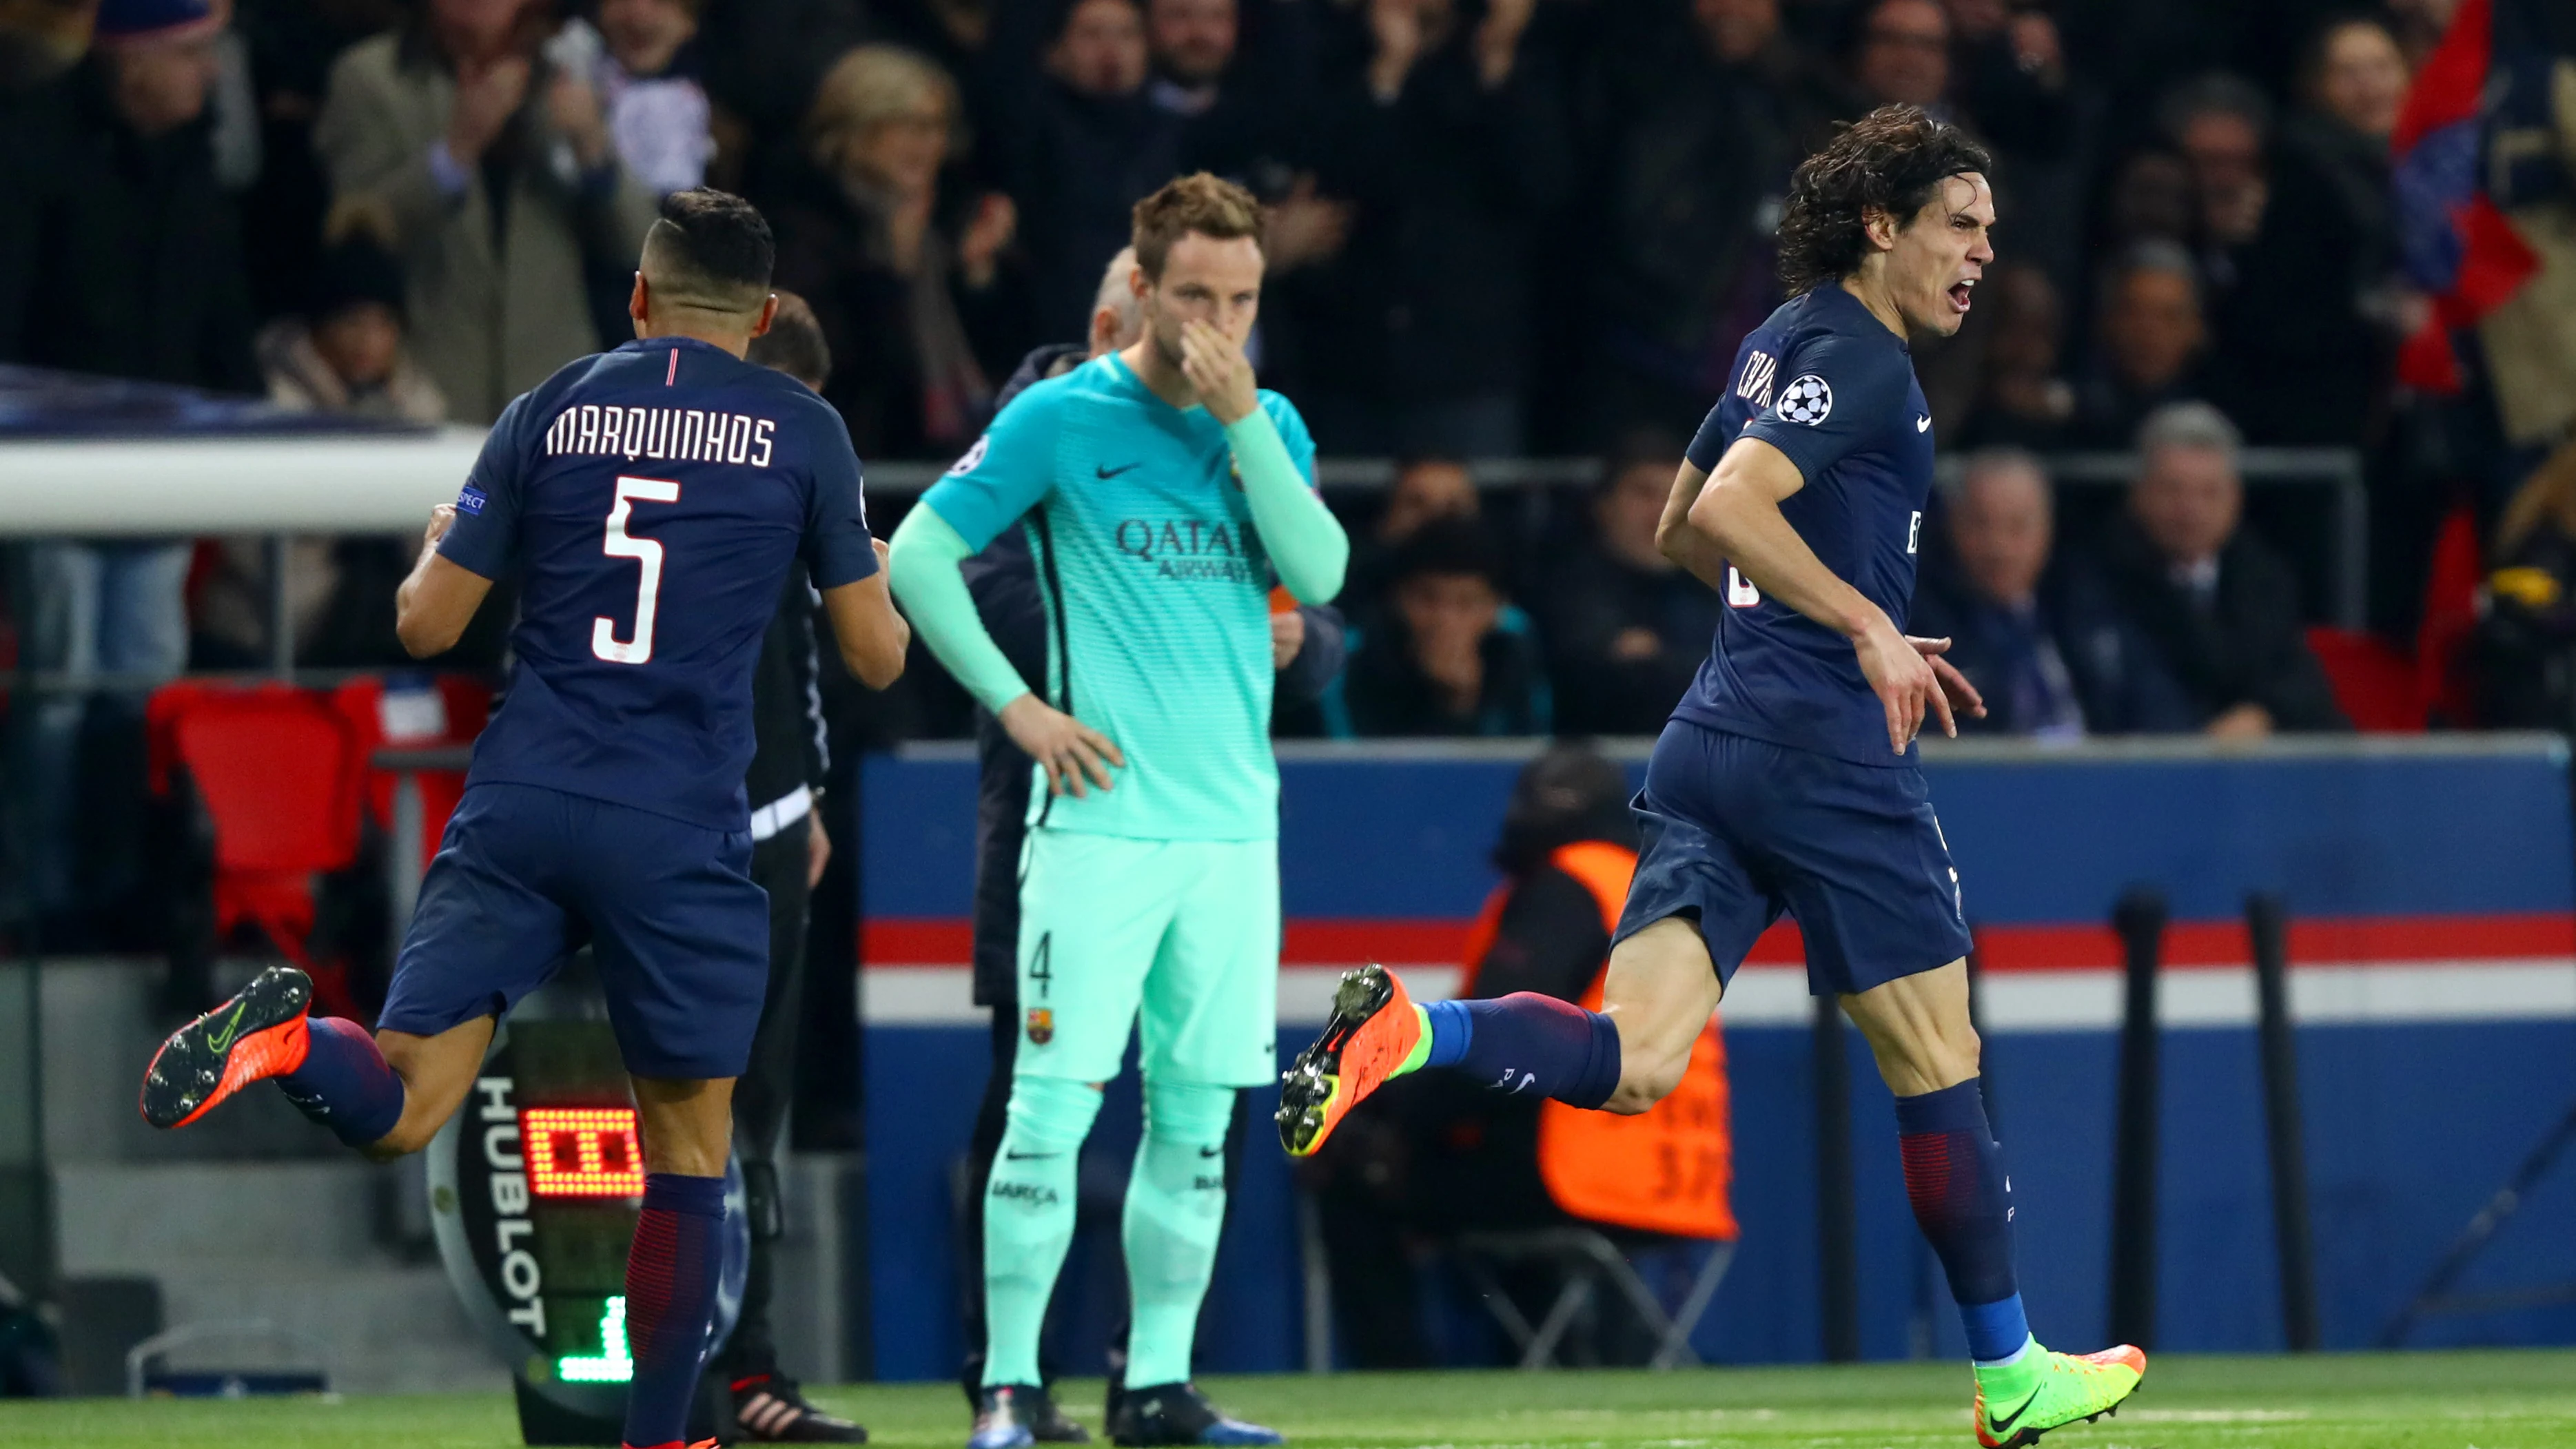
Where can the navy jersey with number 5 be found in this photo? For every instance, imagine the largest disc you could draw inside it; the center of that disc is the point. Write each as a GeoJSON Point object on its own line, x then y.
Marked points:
{"type": "Point", "coordinates": [1829, 386]}
{"type": "Point", "coordinates": [650, 501]}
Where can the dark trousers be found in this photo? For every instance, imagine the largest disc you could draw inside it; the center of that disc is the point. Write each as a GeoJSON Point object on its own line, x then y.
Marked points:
{"type": "Point", "coordinates": [762, 1094]}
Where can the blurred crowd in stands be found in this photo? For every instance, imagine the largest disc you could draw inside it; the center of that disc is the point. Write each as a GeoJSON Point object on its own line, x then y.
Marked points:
{"type": "Point", "coordinates": [1499, 229]}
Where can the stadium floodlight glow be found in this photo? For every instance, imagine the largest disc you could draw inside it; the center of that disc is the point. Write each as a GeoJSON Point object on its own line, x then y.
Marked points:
{"type": "Point", "coordinates": [613, 1364]}
{"type": "Point", "coordinates": [583, 1151]}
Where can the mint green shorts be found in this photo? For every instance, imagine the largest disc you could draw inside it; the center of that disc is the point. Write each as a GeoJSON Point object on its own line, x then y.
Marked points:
{"type": "Point", "coordinates": [1178, 939]}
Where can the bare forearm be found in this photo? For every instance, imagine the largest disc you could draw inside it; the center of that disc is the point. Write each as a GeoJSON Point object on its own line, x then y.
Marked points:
{"type": "Point", "coordinates": [1748, 531]}
{"type": "Point", "coordinates": [1682, 543]}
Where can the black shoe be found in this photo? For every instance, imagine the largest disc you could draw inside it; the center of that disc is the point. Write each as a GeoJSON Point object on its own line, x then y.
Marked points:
{"type": "Point", "coordinates": [1014, 1416]}
{"type": "Point", "coordinates": [769, 1409]}
{"type": "Point", "coordinates": [1180, 1414]}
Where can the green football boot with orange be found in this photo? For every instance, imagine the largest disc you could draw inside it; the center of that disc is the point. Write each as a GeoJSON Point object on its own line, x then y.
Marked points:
{"type": "Point", "coordinates": [2039, 1391]}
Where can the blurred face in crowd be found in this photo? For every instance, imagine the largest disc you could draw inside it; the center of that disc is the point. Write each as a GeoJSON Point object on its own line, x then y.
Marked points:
{"type": "Point", "coordinates": [1192, 40]}
{"type": "Point", "coordinates": [2153, 199]}
{"type": "Point", "coordinates": [2187, 502]}
{"type": "Point", "coordinates": [161, 85]}
{"type": "Point", "coordinates": [1448, 615]}
{"type": "Point", "coordinates": [2225, 149]}
{"type": "Point", "coordinates": [903, 153]}
{"type": "Point", "coordinates": [1426, 489]}
{"type": "Point", "coordinates": [1934, 261]}
{"type": "Point", "coordinates": [1737, 29]}
{"type": "Point", "coordinates": [2027, 323]}
{"type": "Point", "coordinates": [1205, 279]}
{"type": "Point", "coordinates": [476, 30]}
{"type": "Point", "coordinates": [1904, 53]}
{"type": "Point", "coordinates": [2000, 525]}
{"type": "Point", "coordinates": [1102, 50]}
{"type": "Point", "coordinates": [360, 342]}
{"type": "Point", "coordinates": [644, 34]}
{"type": "Point", "coordinates": [2153, 327]}
{"type": "Point", "coordinates": [2361, 78]}
{"type": "Point", "coordinates": [1628, 510]}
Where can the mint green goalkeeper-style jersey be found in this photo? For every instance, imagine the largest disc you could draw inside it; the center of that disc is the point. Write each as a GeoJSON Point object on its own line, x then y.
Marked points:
{"type": "Point", "coordinates": [1157, 592]}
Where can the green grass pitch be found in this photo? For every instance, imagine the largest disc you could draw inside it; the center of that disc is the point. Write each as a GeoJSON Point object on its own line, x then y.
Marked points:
{"type": "Point", "coordinates": [2487, 1400]}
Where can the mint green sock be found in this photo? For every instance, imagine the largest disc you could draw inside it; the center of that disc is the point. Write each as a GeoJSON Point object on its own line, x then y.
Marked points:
{"type": "Point", "coordinates": [1175, 1208]}
{"type": "Point", "coordinates": [1028, 1218]}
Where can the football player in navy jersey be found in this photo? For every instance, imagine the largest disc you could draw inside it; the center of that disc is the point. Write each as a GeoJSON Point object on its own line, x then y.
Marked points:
{"type": "Point", "coordinates": [650, 501]}
{"type": "Point", "coordinates": [1786, 779]}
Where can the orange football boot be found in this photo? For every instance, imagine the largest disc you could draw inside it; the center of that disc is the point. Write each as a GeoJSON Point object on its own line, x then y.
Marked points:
{"type": "Point", "coordinates": [1374, 1034]}
{"type": "Point", "coordinates": [260, 1033]}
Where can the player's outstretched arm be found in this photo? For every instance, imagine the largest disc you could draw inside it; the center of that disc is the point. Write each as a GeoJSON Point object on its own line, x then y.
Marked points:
{"type": "Point", "coordinates": [1738, 512]}
{"type": "Point", "coordinates": [1305, 541]}
{"type": "Point", "coordinates": [924, 565]}
{"type": "Point", "coordinates": [872, 636]}
{"type": "Point", "coordinates": [438, 599]}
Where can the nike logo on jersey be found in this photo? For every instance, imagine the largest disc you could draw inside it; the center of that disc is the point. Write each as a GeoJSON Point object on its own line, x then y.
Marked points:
{"type": "Point", "coordinates": [1923, 425]}
{"type": "Point", "coordinates": [1211, 1152]}
{"type": "Point", "coordinates": [1107, 472]}
{"type": "Point", "coordinates": [1029, 1156]}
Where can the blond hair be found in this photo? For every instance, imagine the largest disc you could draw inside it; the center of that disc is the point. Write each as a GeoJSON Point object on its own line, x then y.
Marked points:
{"type": "Point", "coordinates": [872, 86]}
{"type": "Point", "coordinates": [1199, 202]}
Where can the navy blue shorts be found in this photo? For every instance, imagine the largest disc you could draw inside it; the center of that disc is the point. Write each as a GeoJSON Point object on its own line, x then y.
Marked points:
{"type": "Point", "coordinates": [524, 876]}
{"type": "Point", "coordinates": [1737, 830]}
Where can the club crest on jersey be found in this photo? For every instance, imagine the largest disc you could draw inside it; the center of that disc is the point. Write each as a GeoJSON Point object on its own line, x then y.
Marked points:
{"type": "Point", "coordinates": [974, 455]}
{"type": "Point", "coordinates": [470, 500]}
{"type": "Point", "coordinates": [1809, 400]}
{"type": "Point", "coordinates": [1041, 1026]}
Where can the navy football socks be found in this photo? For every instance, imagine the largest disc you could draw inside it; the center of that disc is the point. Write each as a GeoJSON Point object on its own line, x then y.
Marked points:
{"type": "Point", "coordinates": [1954, 1177]}
{"type": "Point", "coordinates": [670, 1300]}
{"type": "Point", "coordinates": [344, 1083]}
{"type": "Point", "coordinates": [1526, 1042]}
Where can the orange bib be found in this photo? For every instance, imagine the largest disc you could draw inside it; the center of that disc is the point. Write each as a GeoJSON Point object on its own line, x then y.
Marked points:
{"type": "Point", "coordinates": [1664, 1170]}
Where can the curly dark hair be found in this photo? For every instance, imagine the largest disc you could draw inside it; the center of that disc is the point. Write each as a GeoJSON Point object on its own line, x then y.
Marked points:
{"type": "Point", "coordinates": [1894, 160]}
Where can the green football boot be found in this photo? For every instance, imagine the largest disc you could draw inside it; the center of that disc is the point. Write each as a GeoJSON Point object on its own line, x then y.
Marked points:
{"type": "Point", "coordinates": [2040, 1391]}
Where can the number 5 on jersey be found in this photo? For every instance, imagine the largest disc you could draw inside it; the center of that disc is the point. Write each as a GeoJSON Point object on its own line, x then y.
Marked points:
{"type": "Point", "coordinates": [648, 557]}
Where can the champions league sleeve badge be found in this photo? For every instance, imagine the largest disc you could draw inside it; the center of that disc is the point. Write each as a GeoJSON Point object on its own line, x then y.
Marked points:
{"type": "Point", "coordinates": [1809, 400]}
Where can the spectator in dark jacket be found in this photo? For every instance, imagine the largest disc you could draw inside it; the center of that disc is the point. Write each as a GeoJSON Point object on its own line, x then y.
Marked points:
{"type": "Point", "coordinates": [137, 273]}
{"type": "Point", "coordinates": [2023, 398]}
{"type": "Point", "coordinates": [2220, 605]}
{"type": "Point", "coordinates": [138, 268]}
{"type": "Point", "coordinates": [863, 236]}
{"type": "Point", "coordinates": [2311, 326]}
{"type": "Point", "coordinates": [1081, 142]}
{"type": "Point", "coordinates": [2038, 636]}
{"type": "Point", "coordinates": [1451, 145]}
{"type": "Point", "coordinates": [1691, 118]}
{"type": "Point", "coordinates": [1626, 628]}
{"type": "Point", "coordinates": [1446, 654]}
{"type": "Point", "coordinates": [2154, 339]}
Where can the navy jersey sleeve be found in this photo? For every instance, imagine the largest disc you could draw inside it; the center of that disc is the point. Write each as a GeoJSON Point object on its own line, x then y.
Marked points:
{"type": "Point", "coordinates": [836, 549]}
{"type": "Point", "coordinates": [1748, 391]}
{"type": "Point", "coordinates": [486, 534]}
{"type": "Point", "coordinates": [1840, 394]}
